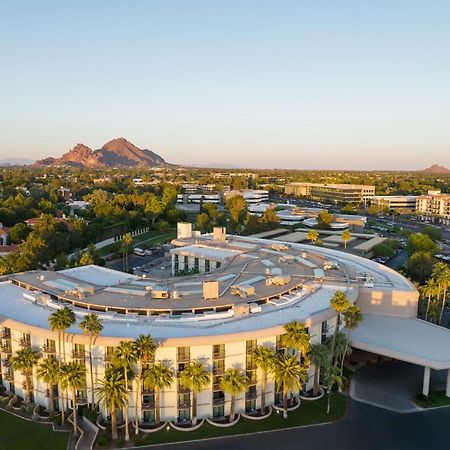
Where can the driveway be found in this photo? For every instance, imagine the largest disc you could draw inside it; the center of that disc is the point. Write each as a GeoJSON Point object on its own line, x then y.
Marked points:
{"type": "Point", "coordinates": [391, 385]}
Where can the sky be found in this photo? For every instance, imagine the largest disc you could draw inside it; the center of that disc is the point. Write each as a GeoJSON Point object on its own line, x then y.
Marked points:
{"type": "Point", "coordinates": [318, 84]}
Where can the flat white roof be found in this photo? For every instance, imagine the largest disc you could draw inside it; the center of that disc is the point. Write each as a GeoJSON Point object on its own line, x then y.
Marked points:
{"type": "Point", "coordinates": [101, 276]}
{"type": "Point", "coordinates": [407, 339]}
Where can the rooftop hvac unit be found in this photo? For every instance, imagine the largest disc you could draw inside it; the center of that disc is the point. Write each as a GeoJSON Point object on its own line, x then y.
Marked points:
{"type": "Point", "coordinates": [41, 277]}
{"type": "Point", "coordinates": [304, 255]}
{"type": "Point", "coordinates": [279, 247]}
{"type": "Point", "coordinates": [160, 294]}
{"type": "Point", "coordinates": [241, 310]}
{"type": "Point", "coordinates": [243, 291]}
{"type": "Point", "coordinates": [210, 290]}
{"type": "Point", "coordinates": [286, 259]}
{"type": "Point", "coordinates": [255, 308]}
{"type": "Point", "coordinates": [279, 280]}
{"type": "Point", "coordinates": [219, 234]}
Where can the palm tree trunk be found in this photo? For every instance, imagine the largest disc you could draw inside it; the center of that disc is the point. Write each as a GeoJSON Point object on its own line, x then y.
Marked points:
{"type": "Point", "coordinates": [232, 409]}
{"type": "Point", "coordinates": [112, 412]}
{"type": "Point", "coordinates": [428, 306]}
{"type": "Point", "coordinates": [51, 406]}
{"type": "Point", "coordinates": [127, 434]}
{"type": "Point", "coordinates": [333, 345]}
{"type": "Point", "coordinates": [263, 394]}
{"type": "Point", "coordinates": [444, 300]}
{"type": "Point", "coordinates": [345, 352]}
{"type": "Point", "coordinates": [316, 380]}
{"type": "Point", "coordinates": [285, 403]}
{"type": "Point", "coordinates": [27, 389]}
{"type": "Point", "coordinates": [157, 406]}
{"type": "Point", "coordinates": [61, 393]}
{"type": "Point", "coordinates": [136, 399]}
{"type": "Point", "coordinates": [330, 387]}
{"type": "Point", "coordinates": [194, 408]}
{"type": "Point", "coordinates": [74, 413]}
{"type": "Point", "coordinates": [92, 374]}
{"type": "Point", "coordinates": [64, 346]}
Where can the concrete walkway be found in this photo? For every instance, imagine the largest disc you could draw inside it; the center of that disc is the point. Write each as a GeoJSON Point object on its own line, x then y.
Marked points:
{"type": "Point", "coordinates": [391, 385]}
{"type": "Point", "coordinates": [88, 432]}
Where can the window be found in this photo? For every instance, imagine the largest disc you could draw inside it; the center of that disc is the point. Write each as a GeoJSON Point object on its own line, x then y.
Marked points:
{"type": "Point", "coordinates": [250, 405]}
{"type": "Point", "coordinates": [184, 415]}
{"type": "Point", "coordinates": [250, 345]}
{"type": "Point", "coordinates": [207, 265]}
{"type": "Point", "coordinates": [219, 351]}
{"type": "Point", "coordinates": [218, 411]}
{"type": "Point", "coordinates": [183, 353]}
{"type": "Point", "coordinates": [218, 264]}
{"type": "Point", "coordinates": [196, 264]}
{"type": "Point", "coordinates": [149, 415]}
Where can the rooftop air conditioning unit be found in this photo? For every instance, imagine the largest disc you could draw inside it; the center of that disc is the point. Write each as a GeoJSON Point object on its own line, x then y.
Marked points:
{"type": "Point", "coordinates": [160, 294]}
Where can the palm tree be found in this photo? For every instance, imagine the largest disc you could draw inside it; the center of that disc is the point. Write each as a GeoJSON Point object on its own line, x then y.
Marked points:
{"type": "Point", "coordinates": [158, 377]}
{"type": "Point", "coordinates": [346, 236]}
{"type": "Point", "coordinates": [352, 318]}
{"type": "Point", "coordinates": [288, 373]}
{"type": "Point", "coordinates": [339, 302]}
{"type": "Point", "coordinates": [320, 357]}
{"type": "Point", "coordinates": [297, 337]}
{"type": "Point", "coordinates": [443, 278]}
{"type": "Point", "coordinates": [332, 377]}
{"type": "Point", "coordinates": [60, 321]}
{"type": "Point", "coordinates": [92, 326]}
{"type": "Point", "coordinates": [24, 360]}
{"type": "Point", "coordinates": [145, 349]}
{"type": "Point", "coordinates": [195, 376]}
{"type": "Point", "coordinates": [112, 393]}
{"type": "Point", "coordinates": [74, 378]}
{"type": "Point", "coordinates": [233, 382]}
{"type": "Point", "coordinates": [127, 241]}
{"type": "Point", "coordinates": [263, 357]}
{"type": "Point", "coordinates": [312, 236]}
{"type": "Point", "coordinates": [48, 371]}
{"type": "Point", "coordinates": [125, 357]}
{"type": "Point", "coordinates": [429, 290]}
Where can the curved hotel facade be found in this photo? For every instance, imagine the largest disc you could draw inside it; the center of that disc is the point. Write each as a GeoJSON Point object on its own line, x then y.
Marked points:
{"type": "Point", "coordinates": [238, 293]}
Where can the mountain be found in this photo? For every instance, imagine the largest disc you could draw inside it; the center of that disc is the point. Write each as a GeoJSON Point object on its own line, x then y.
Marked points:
{"type": "Point", "coordinates": [116, 153]}
{"type": "Point", "coordinates": [16, 162]}
{"type": "Point", "coordinates": [436, 168]}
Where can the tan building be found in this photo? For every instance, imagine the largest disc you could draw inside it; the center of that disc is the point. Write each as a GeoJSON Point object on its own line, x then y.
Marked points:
{"type": "Point", "coordinates": [333, 193]}
{"type": "Point", "coordinates": [435, 205]}
{"type": "Point", "coordinates": [217, 317]}
{"type": "Point", "coordinates": [395, 202]}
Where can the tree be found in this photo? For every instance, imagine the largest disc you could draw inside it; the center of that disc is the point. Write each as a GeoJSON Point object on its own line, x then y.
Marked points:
{"type": "Point", "coordinates": [75, 378]}
{"type": "Point", "coordinates": [233, 382]}
{"type": "Point", "coordinates": [297, 337]}
{"type": "Point", "coordinates": [332, 377]}
{"type": "Point", "coordinates": [153, 208]}
{"type": "Point", "coordinates": [18, 233]}
{"type": "Point", "coordinates": [352, 318]}
{"type": "Point", "coordinates": [113, 394]}
{"type": "Point", "coordinates": [203, 223]}
{"type": "Point", "coordinates": [158, 377]}
{"type": "Point", "coordinates": [320, 357]}
{"type": "Point", "coordinates": [25, 360]}
{"type": "Point", "coordinates": [346, 236]}
{"type": "Point", "coordinates": [86, 259]}
{"type": "Point", "coordinates": [419, 266]}
{"type": "Point", "coordinates": [339, 302]}
{"type": "Point", "coordinates": [290, 375]}
{"type": "Point", "coordinates": [92, 326]}
{"type": "Point", "coordinates": [195, 376]}
{"type": "Point", "coordinates": [237, 207]}
{"type": "Point", "coordinates": [325, 219]}
{"type": "Point", "coordinates": [125, 357]}
{"type": "Point", "coordinates": [145, 351]}
{"type": "Point", "coordinates": [312, 236]}
{"type": "Point", "coordinates": [263, 357]}
{"type": "Point", "coordinates": [126, 244]}
{"type": "Point", "coordinates": [432, 232]}
{"type": "Point", "coordinates": [441, 273]}
{"type": "Point", "coordinates": [48, 371]}
{"type": "Point", "coordinates": [419, 242]}
{"type": "Point", "coordinates": [429, 290]}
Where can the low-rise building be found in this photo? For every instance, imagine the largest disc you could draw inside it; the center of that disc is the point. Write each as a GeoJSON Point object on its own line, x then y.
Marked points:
{"type": "Point", "coordinates": [395, 202]}
{"type": "Point", "coordinates": [434, 205]}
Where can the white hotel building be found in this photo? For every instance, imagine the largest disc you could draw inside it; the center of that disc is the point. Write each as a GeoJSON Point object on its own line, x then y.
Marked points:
{"type": "Point", "coordinates": [245, 291]}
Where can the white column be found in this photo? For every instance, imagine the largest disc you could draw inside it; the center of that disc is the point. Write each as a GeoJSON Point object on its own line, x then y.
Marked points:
{"type": "Point", "coordinates": [426, 381]}
{"type": "Point", "coordinates": [447, 389]}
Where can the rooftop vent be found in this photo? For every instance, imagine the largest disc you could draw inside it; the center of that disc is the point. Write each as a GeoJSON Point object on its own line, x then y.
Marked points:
{"type": "Point", "coordinates": [279, 247]}
{"type": "Point", "coordinates": [280, 280]}
{"type": "Point", "coordinates": [184, 230]}
{"type": "Point", "coordinates": [242, 290]}
{"type": "Point", "coordinates": [219, 234]}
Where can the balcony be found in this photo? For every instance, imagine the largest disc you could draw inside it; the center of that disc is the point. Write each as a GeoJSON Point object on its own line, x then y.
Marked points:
{"type": "Point", "coordinates": [8, 376]}
{"type": "Point", "coordinates": [24, 343]}
{"type": "Point", "coordinates": [5, 335]}
{"type": "Point", "coordinates": [250, 349]}
{"type": "Point", "coordinates": [251, 395]}
{"type": "Point", "coordinates": [49, 349]}
{"type": "Point", "coordinates": [216, 387]}
{"type": "Point", "coordinates": [251, 365]}
{"type": "Point", "coordinates": [219, 355]}
{"type": "Point", "coordinates": [147, 391]}
{"type": "Point", "coordinates": [108, 357]}
{"type": "Point", "coordinates": [184, 403]}
{"type": "Point", "coordinates": [182, 388]}
{"type": "Point", "coordinates": [6, 349]}
{"type": "Point", "coordinates": [183, 357]}
{"type": "Point", "coordinates": [218, 371]}
{"type": "Point", "coordinates": [81, 400]}
{"type": "Point", "coordinates": [218, 401]}
{"type": "Point", "coordinates": [78, 354]}
{"type": "Point", "coordinates": [6, 363]}
{"type": "Point", "coordinates": [150, 404]}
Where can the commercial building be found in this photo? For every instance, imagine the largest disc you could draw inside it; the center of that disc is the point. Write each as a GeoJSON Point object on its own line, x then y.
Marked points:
{"type": "Point", "coordinates": [218, 316]}
{"type": "Point", "coordinates": [251, 196]}
{"type": "Point", "coordinates": [435, 206]}
{"type": "Point", "coordinates": [332, 193]}
{"type": "Point", "coordinates": [198, 198]}
{"type": "Point", "coordinates": [395, 202]}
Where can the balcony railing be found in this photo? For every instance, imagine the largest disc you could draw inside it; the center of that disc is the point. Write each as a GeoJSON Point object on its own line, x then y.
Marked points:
{"type": "Point", "coordinates": [184, 403]}
{"type": "Point", "coordinates": [218, 370]}
{"type": "Point", "coordinates": [183, 357]}
{"type": "Point", "coordinates": [251, 365]}
{"type": "Point", "coordinates": [216, 387]}
{"type": "Point", "coordinates": [250, 395]}
{"type": "Point", "coordinates": [218, 401]}
{"type": "Point", "coordinates": [78, 354]}
{"type": "Point", "coordinates": [219, 355]}
{"type": "Point", "coordinates": [150, 404]}
{"type": "Point", "coordinates": [108, 357]}
{"type": "Point", "coordinates": [49, 349]}
{"type": "Point", "coordinates": [81, 400]}
{"type": "Point", "coordinates": [6, 349]}
{"type": "Point", "coordinates": [5, 335]}
{"type": "Point", "coordinates": [6, 363]}
{"type": "Point", "coordinates": [24, 343]}
{"type": "Point", "coordinates": [250, 349]}
{"type": "Point", "coordinates": [8, 377]}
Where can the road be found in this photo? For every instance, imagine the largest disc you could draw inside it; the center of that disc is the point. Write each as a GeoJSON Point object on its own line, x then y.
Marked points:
{"type": "Point", "coordinates": [365, 427]}
{"type": "Point", "coordinates": [398, 260]}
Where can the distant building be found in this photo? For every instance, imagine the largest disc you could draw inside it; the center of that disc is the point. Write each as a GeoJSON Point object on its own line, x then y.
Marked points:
{"type": "Point", "coordinates": [198, 198]}
{"type": "Point", "coordinates": [395, 202]}
{"type": "Point", "coordinates": [434, 205]}
{"type": "Point", "coordinates": [251, 196]}
{"type": "Point", "coordinates": [334, 193]}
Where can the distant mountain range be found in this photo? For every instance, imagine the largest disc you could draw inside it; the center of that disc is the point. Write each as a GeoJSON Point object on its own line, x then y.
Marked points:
{"type": "Point", "coordinates": [116, 153]}
{"type": "Point", "coordinates": [436, 168]}
{"type": "Point", "coordinates": [16, 162]}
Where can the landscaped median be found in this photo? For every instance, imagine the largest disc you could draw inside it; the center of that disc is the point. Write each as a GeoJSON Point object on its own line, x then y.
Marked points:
{"type": "Point", "coordinates": [435, 399]}
{"type": "Point", "coordinates": [309, 413]}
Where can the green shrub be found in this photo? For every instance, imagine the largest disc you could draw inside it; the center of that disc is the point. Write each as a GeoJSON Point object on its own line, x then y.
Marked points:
{"type": "Point", "coordinates": [102, 441]}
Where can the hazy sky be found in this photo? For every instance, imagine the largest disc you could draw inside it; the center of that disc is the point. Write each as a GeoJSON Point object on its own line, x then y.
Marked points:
{"type": "Point", "coordinates": [301, 84]}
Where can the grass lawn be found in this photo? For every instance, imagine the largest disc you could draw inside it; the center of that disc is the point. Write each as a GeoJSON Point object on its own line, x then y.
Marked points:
{"type": "Point", "coordinates": [309, 412]}
{"type": "Point", "coordinates": [149, 238]}
{"type": "Point", "coordinates": [20, 434]}
{"type": "Point", "coordinates": [434, 399]}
